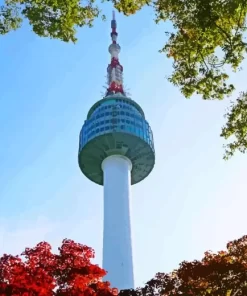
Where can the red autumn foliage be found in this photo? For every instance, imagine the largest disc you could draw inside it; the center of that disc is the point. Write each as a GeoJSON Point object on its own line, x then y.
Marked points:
{"type": "Point", "coordinates": [39, 272]}
{"type": "Point", "coordinates": [71, 273]}
{"type": "Point", "coordinates": [220, 274]}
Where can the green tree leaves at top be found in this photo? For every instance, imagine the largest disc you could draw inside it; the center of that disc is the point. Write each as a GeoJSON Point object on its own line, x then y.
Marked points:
{"type": "Point", "coordinates": [128, 7]}
{"type": "Point", "coordinates": [236, 126]}
{"type": "Point", "coordinates": [208, 35]}
{"type": "Point", "coordinates": [9, 18]}
{"type": "Point", "coordinates": [49, 18]}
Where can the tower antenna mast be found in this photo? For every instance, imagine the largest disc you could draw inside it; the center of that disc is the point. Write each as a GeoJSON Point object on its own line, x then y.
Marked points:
{"type": "Point", "coordinates": [114, 69]}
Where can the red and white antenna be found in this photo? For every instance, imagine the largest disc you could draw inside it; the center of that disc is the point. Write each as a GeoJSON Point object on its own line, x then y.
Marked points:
{"type": "Point", "coordinates": [114, 69]}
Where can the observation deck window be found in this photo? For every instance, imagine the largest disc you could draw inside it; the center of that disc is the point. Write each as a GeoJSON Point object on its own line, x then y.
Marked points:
{"type": "Point", "coordinates": [127, 119]}
{"type": "Point", "coordinates": [141, 132]}
{"type": "Point", "coordinates": [121, 103]}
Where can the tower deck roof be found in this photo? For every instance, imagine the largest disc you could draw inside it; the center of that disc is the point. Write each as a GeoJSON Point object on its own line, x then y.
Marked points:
{"type": "Point", "coordinates": [116, 97]}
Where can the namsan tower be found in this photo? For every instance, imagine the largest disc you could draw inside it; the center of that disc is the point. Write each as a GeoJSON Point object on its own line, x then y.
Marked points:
{"type": "Point", "coordinates": [116, 150]}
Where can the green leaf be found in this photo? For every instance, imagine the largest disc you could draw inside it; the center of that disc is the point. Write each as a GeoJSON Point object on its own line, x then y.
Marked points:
{"type": "Point", "coordinates": [9, 18]}
{"type": "Point", "coordinates": [206, 36]}
{"type": "Point", "coordinates": [51, 18]}
{"type": "Point", "coordinates": [235, 128]}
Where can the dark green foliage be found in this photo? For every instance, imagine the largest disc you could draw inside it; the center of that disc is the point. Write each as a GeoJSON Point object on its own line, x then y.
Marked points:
{"type": "Point", "coordinates": [49, 18]}
{"type": "Point", "coordinates": [128, 7]}
{"type": "Point", "coordinates": [9, 18]}
{"type": "Point", "coordinates": [236, 126]}
{"type": "Point", "coordinates": [206, 36]}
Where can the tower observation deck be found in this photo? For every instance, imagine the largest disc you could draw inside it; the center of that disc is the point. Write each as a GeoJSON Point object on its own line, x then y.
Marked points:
{"type": "Point", "coordinates": [116, 150]}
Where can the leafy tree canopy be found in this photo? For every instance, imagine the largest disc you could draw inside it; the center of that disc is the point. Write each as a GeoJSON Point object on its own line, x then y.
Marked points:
{"type": "Point", "coordinates": [207, 34]}
{"type": "Point", "coordinates": [236, 126]}
{"type": "Point", "coordinates": [48, 18]}
{"type": "Point", "coordinates": [39, 272]}
{"type": "Point", "coordinates": [220, 274]}
{"type": "Point", "coordinates": [207, 37]}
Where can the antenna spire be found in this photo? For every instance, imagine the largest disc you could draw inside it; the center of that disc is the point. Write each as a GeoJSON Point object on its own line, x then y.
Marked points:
{"type": "Point", "coordinates": [114, 69]}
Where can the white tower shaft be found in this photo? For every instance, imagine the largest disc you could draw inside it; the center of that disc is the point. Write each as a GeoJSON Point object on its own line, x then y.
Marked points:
{"type": "Point", "coordinates": [117, 246]}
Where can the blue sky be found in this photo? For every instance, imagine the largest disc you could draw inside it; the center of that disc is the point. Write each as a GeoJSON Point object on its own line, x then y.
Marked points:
{"type": "Point", "coordinates": [192, 201]}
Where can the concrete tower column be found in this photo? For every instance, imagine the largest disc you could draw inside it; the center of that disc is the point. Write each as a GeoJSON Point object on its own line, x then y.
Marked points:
{"type": "Point", "coordinates": [117, 245]}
